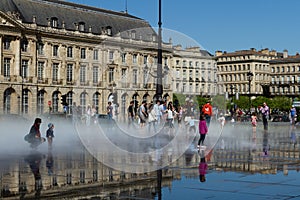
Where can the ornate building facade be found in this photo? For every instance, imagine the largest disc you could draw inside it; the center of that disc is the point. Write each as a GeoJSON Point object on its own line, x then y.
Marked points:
{"type": "Point", "coordinates": [53, 48]}
{"type": "Point", "coordinates": [285, 75]}
{"type": "Point", "coordinates": [195, 72]}
{"type": "Point", "coordinates": [246, 72]}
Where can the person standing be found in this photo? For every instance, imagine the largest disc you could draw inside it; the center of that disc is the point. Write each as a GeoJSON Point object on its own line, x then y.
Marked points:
{"type": "Point", "coordinates": [222, 120]}
{"type": "Point", "coordinates": [152, 119]}
{"type": "Point", "coordinates": [130, 111]}
{"type": "Point", "coordinates": [207, 111]}
{"type": "Point", "coordinates": [265, 115]}
{"type": "Point", "coordinates": [254, 124]}
{"type": "Point", "coordinates": [293, 114]}
{"type": "Point", "coordinates": [143, 114]}
{"type": "Point", "coordinates": [50, 135]}
{"type": "Point", "coordinates": [203, 129]}
{"type": "Point", "coordinates": [109, 110]}
{"type": "Point", "coordinates": [158, 111]}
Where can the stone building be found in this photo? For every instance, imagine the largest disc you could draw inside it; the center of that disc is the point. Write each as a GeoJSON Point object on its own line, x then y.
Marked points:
{"type": "Point", "coordinates": [51, 48]}
{"type": "Point", "coordinates": [285, 75]}
{"type": "Point", "coordinates": [246, 72]}
{"type": "Point", "coordinates": [195, 71]}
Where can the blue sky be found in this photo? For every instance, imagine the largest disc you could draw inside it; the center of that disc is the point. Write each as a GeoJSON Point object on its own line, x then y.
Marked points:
{"type": "Point", "coordinates": [226, 25]}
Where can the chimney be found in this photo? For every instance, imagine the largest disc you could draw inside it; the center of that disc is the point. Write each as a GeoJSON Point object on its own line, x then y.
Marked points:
{"type": "Point", "coordinates": [285, 53]}
{"type": "Point", "coordinates": [218, 53]}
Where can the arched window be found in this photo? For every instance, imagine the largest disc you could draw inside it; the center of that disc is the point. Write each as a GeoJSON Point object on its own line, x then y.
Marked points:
{"type": "Point", "coordinates": [83, 102]}
{"type": "Point", "coordinates": [6, 102]}
{"type": "Point", "coordinates": [96, 101]}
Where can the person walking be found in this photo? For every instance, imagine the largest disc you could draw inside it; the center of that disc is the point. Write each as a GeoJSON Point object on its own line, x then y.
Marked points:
{"type": "Point", "coordinates": [265, 115]}
{"type": "Point", "coordinates": [50, 135]}
{"type": "Point", "coordinates": [203, 129]}
{"type": "Point", "coordinates": [207, 111]}
{"type": "Point", "coordinates": [222, 120]}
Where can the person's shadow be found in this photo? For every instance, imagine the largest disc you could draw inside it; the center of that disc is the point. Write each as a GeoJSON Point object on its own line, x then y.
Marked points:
{"type": "Point", "coordinates": [34, 160]}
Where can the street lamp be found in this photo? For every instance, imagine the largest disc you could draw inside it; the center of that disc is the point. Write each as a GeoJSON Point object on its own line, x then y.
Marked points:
{"type": "Point", "coordinates": [250, 77]}
{"type": "Point", "coordinates": [159, 86]}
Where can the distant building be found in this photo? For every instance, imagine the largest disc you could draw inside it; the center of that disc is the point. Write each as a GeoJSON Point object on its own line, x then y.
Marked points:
{"type": "Point", "coordinates": [195, 71]}
{"type": "Point", "coordinates": [285, 75]}
{"type": "Point", "coordinates": [233, 69]}
{"type": "Point", "coordinates": [52, 48]}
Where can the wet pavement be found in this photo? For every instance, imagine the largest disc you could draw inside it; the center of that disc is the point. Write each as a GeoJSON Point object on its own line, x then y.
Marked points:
{"type": "Point", "coordinates": [237, 164]}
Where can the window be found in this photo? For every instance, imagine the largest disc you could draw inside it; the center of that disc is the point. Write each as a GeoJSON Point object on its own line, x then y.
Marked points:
{"type": "Point", "coordinates": [24, 69]}
{"type": "Point", "coordinates": [83, 102]}
{"type": "Point", "coordinates": [6, 67]}
{"type": "Point", "coordinates": [55, 72]}
{"type": "Point", "coordinates": [54, 22]}
{"type": "Point", "coordinates": [124, 76]}
{"type": "Point", "coordinates": [70, 52]}
{"type": "Point", "coordinates": [83, 53]}
{"type": "Point", "coordinates": [95, 74]}
{"type": "Point", "coordinates": [123, 57]}
{"type": "Point", "coordinates": [40, 102]}
{"type": "Point", "coordinates": [40, 70]}
{"type": "Point", "coordinates": [82, 74]}
{"type": "Point", "coordinates": [6, 43]}
{"type": "Point", "coordinates": [96, 54]}
{"type": "Point", "coordinates": [145, 59]}
{"type": "Point", "coordinates": [134, 58]}
{"type": "Point", "coordinates": [24, 45]}
{"type": "Point", "coordinates": [135, 76]}
{"type": "Point", "coordinates": [25, 101]}
{"type": "Point", "coordinates": [96, 101]}
{"type": "Point", "coordinates": [111, 75]}
{"type": "Point", "coordinates": [111, 55]}
{"type": "Point", "coordinates": [81, 26]}
{"type": "Point", "coordinates": [40, 48]}
{"type": "Point", "coordinates": [7, 100]}
{"type": "Point", "coordinates": [55, 50]}
{"type": "Point", "coordinates": [69, 72]}
{"type": "Point", "coordinates": [55, 102]}
{"type": "Point", "coordinates": [177, 62]}
{"type": "Point", "coordinates": [133, 34]}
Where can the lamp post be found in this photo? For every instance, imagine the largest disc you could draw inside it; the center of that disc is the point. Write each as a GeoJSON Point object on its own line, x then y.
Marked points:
{"type": "Point", "coordinates": [232, 95]}
{"type": "Point", "coordinates": [159, 86]}
{"type": "Point", "coordinates": [249, 76]}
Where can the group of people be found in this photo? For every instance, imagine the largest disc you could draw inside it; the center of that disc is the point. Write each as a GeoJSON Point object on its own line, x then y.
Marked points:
{"type": "Point", "coordinates": [34, 137]}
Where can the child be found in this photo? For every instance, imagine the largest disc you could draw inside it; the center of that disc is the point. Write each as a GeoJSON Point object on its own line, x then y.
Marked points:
{"type": "Point", "coordinates": [254, 124]}
{"type": "Point", "coordinates": [191, 122]}
{"type": "Point", "coordinates": [50, 135]}
{"type": "Point", "coordinates": [202, 130]}
{"type": "Point", "coordinates": [222, 120]}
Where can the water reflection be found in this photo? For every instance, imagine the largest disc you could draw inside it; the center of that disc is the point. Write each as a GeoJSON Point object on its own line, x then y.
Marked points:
{"type": "Point", "coordinates": [50, 172]}
{"type": "Point", "coordinates": [34, 160]}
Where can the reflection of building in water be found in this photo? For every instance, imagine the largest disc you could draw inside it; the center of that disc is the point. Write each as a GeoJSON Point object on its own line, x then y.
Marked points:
{"type": "Point", "coordinates": [77, 171]}
{"type": "Point", "coordinates": [81, 172]}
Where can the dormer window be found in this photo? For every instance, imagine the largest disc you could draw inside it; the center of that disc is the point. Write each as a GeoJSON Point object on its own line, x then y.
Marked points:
{"type": "Point", "coordinates": [109, 30]}
{"type": "Point", "coordinates": [133, 34]}
{"type": "Point", "coordinates": [81, 26]}
{"type": "Point", "coordinates": [54, 22]}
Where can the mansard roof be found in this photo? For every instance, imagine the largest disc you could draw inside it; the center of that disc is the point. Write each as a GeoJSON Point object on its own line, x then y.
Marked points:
{"type": "Point", "coordinates": [71, 14]}
{"type": "Point", "coordinates": [287, 60]}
